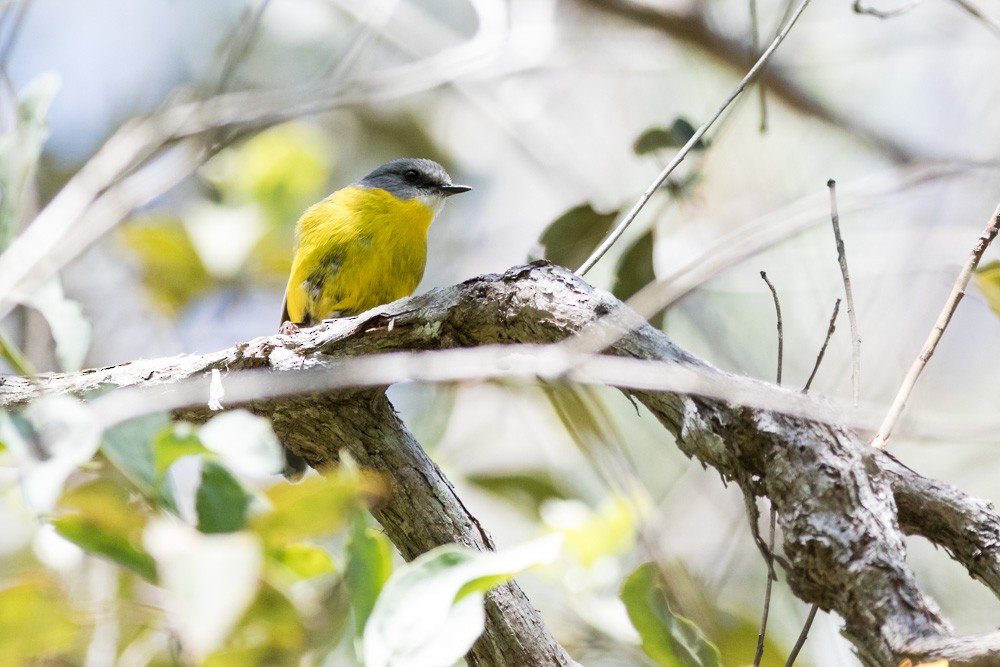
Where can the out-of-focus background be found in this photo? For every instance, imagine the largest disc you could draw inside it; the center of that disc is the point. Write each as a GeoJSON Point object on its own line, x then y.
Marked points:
{"type": "Point", "coordinates": [538, 104]}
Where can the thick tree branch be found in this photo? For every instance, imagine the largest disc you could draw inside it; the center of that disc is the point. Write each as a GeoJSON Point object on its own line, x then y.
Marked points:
{"type": "Point", "coordinates": [844, 507]}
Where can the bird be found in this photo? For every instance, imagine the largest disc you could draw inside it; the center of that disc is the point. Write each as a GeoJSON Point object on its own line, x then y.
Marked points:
{"type": "Point", "coordinates": [363, 246]}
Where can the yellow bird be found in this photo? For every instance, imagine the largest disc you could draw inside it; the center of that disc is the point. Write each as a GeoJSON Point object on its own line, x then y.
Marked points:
{"type": "Point", "coordinates": [366, 244]}
{"type": "Point", "coordinates": [363, 246]}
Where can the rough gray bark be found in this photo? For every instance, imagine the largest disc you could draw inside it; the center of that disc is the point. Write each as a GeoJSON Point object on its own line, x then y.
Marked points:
{"type": "Point", "coordinates": [843, 506]}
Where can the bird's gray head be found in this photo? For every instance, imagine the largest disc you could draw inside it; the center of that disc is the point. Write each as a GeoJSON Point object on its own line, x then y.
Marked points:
{"type": "Point", "coordinates": [414, 178]}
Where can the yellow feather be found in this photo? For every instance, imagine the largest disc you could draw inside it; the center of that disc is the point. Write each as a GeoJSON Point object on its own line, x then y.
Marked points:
{"type": "Point", "coordinates": [357, 249]}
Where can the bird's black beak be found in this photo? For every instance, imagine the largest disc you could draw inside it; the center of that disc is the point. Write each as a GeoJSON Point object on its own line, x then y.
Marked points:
{"type": "Point", "coordinates": [449, 190]}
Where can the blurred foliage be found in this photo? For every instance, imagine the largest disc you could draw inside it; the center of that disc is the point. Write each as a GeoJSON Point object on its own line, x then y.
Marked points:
{"type": "Point", "coordinates": [431, 610]}
{"type": "Point", "coordinates": [172, 273]}
{"type": "Point", "coordinates": [243, 567]}
{"type": "Point", "coordinates": [20, 151]}
{"type": "Point", "coordinates": [671, 640]}
{"type": "Point", "coordinates": [240, 232]}
{"type": "Point", "coordinates": [570, 239]}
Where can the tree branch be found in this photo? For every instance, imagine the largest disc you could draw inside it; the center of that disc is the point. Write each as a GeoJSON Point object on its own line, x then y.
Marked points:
{"type": "Point", "coordinates": [843, 507]}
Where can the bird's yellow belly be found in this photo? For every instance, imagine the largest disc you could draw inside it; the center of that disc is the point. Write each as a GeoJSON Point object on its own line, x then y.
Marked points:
{"type": "Point", "coordinates": [358, 249]}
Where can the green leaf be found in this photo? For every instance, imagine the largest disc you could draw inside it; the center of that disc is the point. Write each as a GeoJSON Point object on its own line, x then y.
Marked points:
{"type": "Point", "coordinates": [305, 560]}
{"type": "Point", "coordinates": [369, 564]}
{"type": "Point", "coordinates": [635, 271]}
{"type": "Point", "coordinates": [174, 442]}
{"type": "Point", "coordinates": [316, 506]}
{"type": "Point", "coordinates": [592, 534]}
{"type": "Point", "coordinates": [172, 272]}
{"type": "Point", "coordinates": [34, 623]}
{"type": "Point", "coordinates": [208, 581]}
{"type": "Point", "coordinates": [130, 448]}
{"type": "Point", "coordinates": [270, 633]}
{"type": "Point", "coordinates": [988, 281]}
{"type": "Point", "coordinates": [658, 138]}
{"type": "Point", "coordinates": [654, 139]}
{"type": "Point", "coordinates": [570, 239]}
{"type": "Point", "coordinates": [669, 639]}
{"type": "Point", "coordinates": [221, 501]}
{"type": "Point", "coordinates": [283, 169]}
{"type": "Point", "coordinates": [100, 517]}
{"type": "Point", "coordinates": [431, 610]}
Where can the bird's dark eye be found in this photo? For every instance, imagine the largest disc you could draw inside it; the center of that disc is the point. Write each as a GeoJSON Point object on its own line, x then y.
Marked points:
{"type": "Point", "coordinates": [411, 176]}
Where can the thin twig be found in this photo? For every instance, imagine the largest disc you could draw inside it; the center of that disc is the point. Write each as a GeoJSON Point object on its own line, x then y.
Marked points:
{"type": "Point", "coordinates": [781, 337]}
{"type": "Point", "coordinates": [11, 38]}
{"type": "Point", "coordinates": [822, 350]}
{"type": "Point", "coordinates": [754, 50]}
{"type": "Point", "coordinates": [884, 13]}
{"type": "Point", "coordinates": [767, 591]}
{"type": "Point", "coordinates": [769, 554]}
{"type": "Point", "coordinates": [695, 138]}
{"type": "Point", "coordinates": [766, 552]}
{"type": "Point", "coordinates": [957, 292]}
{"type": "Point", "coordinates": [991, 22]}
{"type": "Point", "coordinates": [802, 636]}
{"type": "Point", "coordinates": [851, 312]}
{"type": "Point", "coordinates": [240, 42]}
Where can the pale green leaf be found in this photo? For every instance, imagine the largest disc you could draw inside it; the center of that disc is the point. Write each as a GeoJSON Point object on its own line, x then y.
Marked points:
{"type": "Point", "coordinates": [305, 560]}
{"type": "Point", "coordinates": [245, 443]}
{"type": "Point", "coordinates": [129, 448]}
{"type": "Point", "coordinates": [209, 581]}
{"type": "Point", "coordinates": [431, 611]}
{"type": "Point", "coordinates": [174, 441]}
{"type": "Point", "coordinates": [68, 434]}
{"type": "Point", "coordinates": [69, 328]}
{"type": "Point", "coordinates": [270, 633]}
{"type": "Point", "coordinates": [34, 623]}
{"type": "Point", "coordinates": [20, 149]}
{"type": "Point", "coordinates": [314, 507]}
{"type": "Point", "coordinates": [100, 517]}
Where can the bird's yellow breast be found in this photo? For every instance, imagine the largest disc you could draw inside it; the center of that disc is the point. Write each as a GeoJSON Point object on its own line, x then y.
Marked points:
{"type": "Point", "coordinates": [357, 249]}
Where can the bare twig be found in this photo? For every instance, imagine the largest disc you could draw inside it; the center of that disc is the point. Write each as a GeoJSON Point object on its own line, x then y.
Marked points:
{"type": "Point", "coordinates": [990, 22]}
{"type": "Point", "coordinates": [683, 152]}
{"type": "Point", "coordinates": [852, 315]}
{"type": "Point", "coordinates": [781, 337]}
{"type": "Point", "coordinates": [769, 554]}
{"type": "Point", "coordinates": [884, 13]}
{"type": "Point", "coordinates": [241, 40]}
{"type": "Point", "coordinates": [800, 642]}
{"type": "Point", "coordinates": [822, 350]}
{"type": "Point", "coordinates": [957, 292]}
{"type": "Point", "coordinates": [759, 653]}
{"type": "Point", "coordinates": [754, 51]}
{"type": "Point", "coordinates": [19, 12]}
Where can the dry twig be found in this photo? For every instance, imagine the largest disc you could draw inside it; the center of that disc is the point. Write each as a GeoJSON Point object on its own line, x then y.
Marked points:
{"type": "Point", "coordinates": [957, 292]}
